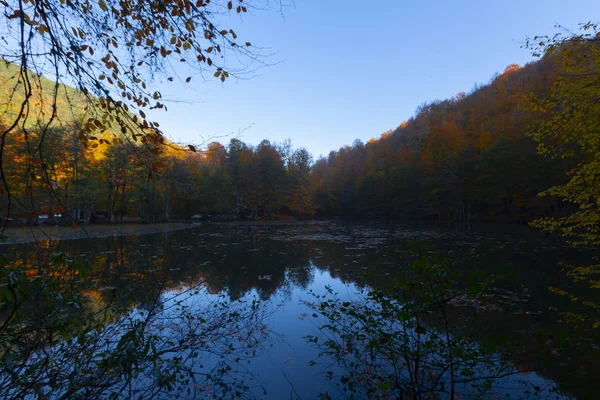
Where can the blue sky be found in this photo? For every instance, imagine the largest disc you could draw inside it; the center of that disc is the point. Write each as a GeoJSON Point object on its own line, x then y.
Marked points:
{"type": "Point", "coordinates": [354, 69]}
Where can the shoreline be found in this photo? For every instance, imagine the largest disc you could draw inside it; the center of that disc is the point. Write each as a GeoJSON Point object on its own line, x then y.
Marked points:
{"type": "Point", "coordinates": [32, 234]}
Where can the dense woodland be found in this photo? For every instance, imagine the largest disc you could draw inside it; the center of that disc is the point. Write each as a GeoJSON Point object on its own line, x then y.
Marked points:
{"type": "Point", "coordinates": [465, 158]}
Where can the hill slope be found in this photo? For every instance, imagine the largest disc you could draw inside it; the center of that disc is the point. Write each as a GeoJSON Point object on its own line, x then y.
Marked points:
{"type": "Point", "coordinates": [70, 103]}
{"type": "Point", "coordinates": [465, 158]}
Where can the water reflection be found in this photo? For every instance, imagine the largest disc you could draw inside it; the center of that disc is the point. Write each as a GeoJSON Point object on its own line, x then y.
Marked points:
{"type": "Point", "coordinates": [215, 292]}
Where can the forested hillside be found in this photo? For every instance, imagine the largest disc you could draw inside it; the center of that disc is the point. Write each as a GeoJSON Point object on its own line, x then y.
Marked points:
{"type": "Point", "coordinates": [69, 103]}
{"type": "Point", "coordinates": [66, 168]}
{"type": "Point", "coordinates": [466, 158]}
{"type": "Point", "coordinates": [74, 173]}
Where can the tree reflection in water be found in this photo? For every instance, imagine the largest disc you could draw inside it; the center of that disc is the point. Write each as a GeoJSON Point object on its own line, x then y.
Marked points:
{"type": "Point", "coordinates": [408, 341]}
{"type": "Point", "coordinates": [66, 333]}
{"type": "Point", "coordinates": [182, 315]}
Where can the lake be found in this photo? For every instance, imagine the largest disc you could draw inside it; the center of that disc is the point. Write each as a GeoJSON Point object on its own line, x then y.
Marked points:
{"type": "Point", "coordinates": [301, 311]}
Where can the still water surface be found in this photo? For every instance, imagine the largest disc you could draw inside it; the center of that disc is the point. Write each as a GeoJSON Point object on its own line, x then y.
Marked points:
{"type": "Point", "coordinates": [282, 268]}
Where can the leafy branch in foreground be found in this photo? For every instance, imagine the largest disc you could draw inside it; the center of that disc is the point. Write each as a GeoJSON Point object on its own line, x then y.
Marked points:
{"type": "Point", "coordinates": [113, 49]}
{"type": "Point", "coordinates": [569, 127]}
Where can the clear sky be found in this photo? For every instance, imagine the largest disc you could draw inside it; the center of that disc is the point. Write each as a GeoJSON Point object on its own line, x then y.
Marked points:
{"type": "Point", "coordinates": [354, 69]}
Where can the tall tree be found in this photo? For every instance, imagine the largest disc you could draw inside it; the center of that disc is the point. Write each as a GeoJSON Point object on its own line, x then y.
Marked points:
{"type": "Point", "coordinates": [299, 167]}
{"type": "Point", "coordinates": [268, 178]}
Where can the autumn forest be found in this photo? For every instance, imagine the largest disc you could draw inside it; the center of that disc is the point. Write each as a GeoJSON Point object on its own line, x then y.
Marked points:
{"type": "Point", "coordinates": [468, 158]}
